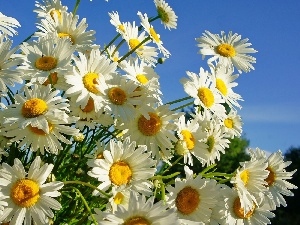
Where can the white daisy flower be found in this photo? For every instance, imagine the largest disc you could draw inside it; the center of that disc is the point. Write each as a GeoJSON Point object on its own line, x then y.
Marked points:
{"type": "Point", "coordinates": [113, 53]}
{"type": "Point", "coordinates": [7, 25]}
{"type": "Point", "coordinates": [134, 39]}
{"type": "Point", "coordinates": [276, 180]}
{"type": "Point", "coordinates": [47, 8]}
{"type": "Point", "coordinates": [249, 182]}
{"type": "Point", "coordinates": [140, 211]}
{"type": "Point", "coordinates": [227, 50]}
{"type": "Point", "coordinates": [36, 107]}
{"type": "Point", "coordinates": [157, 132]}
{"type": "Point", "coordinates": [119, 198]}
{"type": "Point", "coordinates": [124, 166]}
{"type": "Point", "coordinates": [192, 198]}
{"type": "Point", "coordinates": [232, 125]}
{"type": "Point", "coordinates": [8, 62]}
{"type": "Point", "coordinates": [189, 139]}
{"type": "Point", "coordinates": [115, 21]}
{"type": "Point", "coordinates": [46, 59]}
{"type": "Point", "coordinates": [84, 82]}
{"type": "Point", "coordinates": [154, 36]}
{"type": "Point", "coordinates": [166, 14]}
{"type": "Point", "coordinates": [204, 91]}
{"type": "Point", "coordinates": [29, 199]}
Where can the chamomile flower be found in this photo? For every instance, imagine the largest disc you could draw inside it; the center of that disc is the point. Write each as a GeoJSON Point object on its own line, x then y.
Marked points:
{"type": "Point", "coordinates": [227, 49]}
{"type": "Point", "coordinates": [134, 39]}
{"type": "Point", "coordinates": [7, 25]}
{"type": "Point", "coordinates": [140, 211]}
{"type": "Point", "coordinates": [8, 61]}
{"type": "Point", "coordinates": [113, 53]}
{"type": "Point", "coordinates": [115, 21]}
{"type": "Point", "coordinates": [46, 58]}
{"type": "Point", "coordinates": [154, 36]}
{"type": "Point", "coordinates": [124, 166]}
{"type": "Point", "coordinates": [249, 182]}
{"type": "Point", "coordinates": [277, 179]}
{"type": "Point", "coordinates": [205, 93]}
{"type": "Point", "coordinates": [193, 198]}
{"type": "Point", "coordinates": [49, 8]}
{"type": "Point", "coordinates": [232, 125]}
{"type": "Point", "coordinates": [166, 14]}
{"type": "Point", "coordinates": [29, 199]}
{"type": "Point", "coordinates": [156, 132]}
{"type": "Point", "coordinates": [84, 83]}
{"type": "Point", "coordinates": [36, 107]}
{"type": "Point", "coordinates": [119, 198]}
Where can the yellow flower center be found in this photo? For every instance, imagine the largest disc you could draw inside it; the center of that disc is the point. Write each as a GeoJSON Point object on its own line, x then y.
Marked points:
{"type": "Point", "coordinates": [187, 200]}
{"type": "Point", "coordinates": [228, 122]}
{"type": "Point", "coordinates": [100, 156]}
{"type": "Point", "coordinates": [142, 78]}
{"type": "Point", "coordinates": [121, 28]}
{"type": "Point", "coordinates": [163, 15]}
{"type": "Point", "coordinates": [154, 35]}
{"type": "Point", "coordinates": [221, 86]}
{"type": "Point", "coordinates": [34, 107]}
{"type": "Point", "coordinates": [271, 177]}
{"type": "Point", "coordinates": [57, 12]}
{"type": "Point", "coordinates": [136, 221]}
{"type": "Point", "coordinates": [40, 131]}
{"type": "Point", "coordinates": [25, 193]}
{"type": "Point", "coordinates": [46, 63]}
{"type": "Point", "coordinates": [118, 198]}
{"type": "Point", "coordinates": [189, 139]}
{"type": "Point", "coordinates": [245, 176]}
{"type": "Point", "coordinates": [120, 173]}
{"type": "Point", "coordinates": [226, 50]}
{"type": "Point", "coordinates": [210, 142]}
{"type": "Point", "coordinates": [206, 96]}
{"type": "Point", "coordinates": [90, 81]}
{"type": "Point", "coordinates": [52, 79]}
{"type": "Point", "coordinates": [66, 35]}
{"type": "Point", "coordinates": [239, 211]}
{"type": "Point", "coordinates": [149, 127]}
{"type": "Point", "coordinates": [134, 42]}
{"type": "Point", "coordinates": [117, 96]}
{"type": "Point", "coordinates": [89, 106]}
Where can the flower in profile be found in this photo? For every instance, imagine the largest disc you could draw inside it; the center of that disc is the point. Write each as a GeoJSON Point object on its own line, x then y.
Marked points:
{"type": "Point", "coordinates": [232, 124]}
{"type": "Point", "coordinates": [28, 197]}
{"type": "Point", "coordinates": [115, 21]}
{"type": "Point", "coordinates": [140, 212]}
{"type": "Point", "coordinates": [124, 166]}
{"type": "Point", "coordinates": [7, 25]}
{"type": "Point", "coordinates": [277, 179]}
{"type": "Point", "coordinates": [166, 14]}
{"type": "Point", "coordinates": [49, 8]}
{"type": "Point", "coordinates": [193, 198]}
{"type": "Point", "coordinates": [227, 49]}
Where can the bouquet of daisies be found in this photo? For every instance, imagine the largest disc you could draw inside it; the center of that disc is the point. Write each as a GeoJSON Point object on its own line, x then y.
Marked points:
{"type": "Point", "coordinates": [85, 137]}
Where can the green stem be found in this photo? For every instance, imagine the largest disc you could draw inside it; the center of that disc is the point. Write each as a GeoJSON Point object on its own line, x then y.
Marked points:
{"type": "Point", "coordinates": [173, 164]}
{"type": "Point", "coordinates": [178, 100]}
{"type": "Point", "coordinates": [76, 7]}
{"type": "Point", "coordinates": [207, 169]}
{"type": "Point", "coordinates": [110, 43]}
{"type": "Point", "coordinates": [185, 105]}
{"type": "Point", "coordinates": [159, 177]}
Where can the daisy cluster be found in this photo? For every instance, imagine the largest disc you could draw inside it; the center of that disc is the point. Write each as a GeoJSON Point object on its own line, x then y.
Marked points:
{"type": "Point", "coordinates": [86, 124]}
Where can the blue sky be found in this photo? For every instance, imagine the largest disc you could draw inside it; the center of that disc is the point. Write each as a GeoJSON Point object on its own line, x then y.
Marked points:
{"type": "Point", "coordinates": [271, 107]}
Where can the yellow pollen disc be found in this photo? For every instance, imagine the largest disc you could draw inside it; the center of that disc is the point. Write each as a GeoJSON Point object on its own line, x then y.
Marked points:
{"type": "Point", "coordinates": [206, 96]}
{"type": "Point", "coordinates": [66, 35]}
{"type": "Point", "coordinates": [135, 42]}
{"type": "Point", "coordinates": [210, 142]}
{"type": "Point", "coordinates": [163, 15]}
{"type": "Point", "coordinates": [90, 81]}
{"type": "Point", "coordinates": [154, 35]}
{"type": "Point", "coordinates": [40, 131]}
{"type": "Point", "coordinates": [117, 96]}
{"type": "Point", "coordinates": [142, 78]}
{"type": "Point", "coordinates": [245, 176]}
{"type": "Point", "coordinates": [34, 107]}
{"type": "Point", "coordinates": [121, 28]}
{"type": "Point", "coordinates": [149, 127]}
{"type": "Point", "coordinates": [187, 200]}
{"type": "Point", "coordinates": [118, 198]}
{"type": "Point", "coordinates": [189, 139]}
{"type": "Point", "coordinates": [58, 13]}
{"type": "Point", "coordinates": [221, 86]}
{"type": "Point", "coordinates": [52, 79]}
{"type": "Point", "coordinates": [228, 123]}
{"type": "Point", "coordinates": [115, 59]}
{"type": "Point", "coordinates": [225, 50]}
{"type": "Point", "coordinates": [239, 211]}
{"type": "Point", "coordinates": [46, 63]}
{"type": "Point", "coordinates": [271, 177]}
{"type": "Point", "coordinates": [136, 221]}
{"type": "Point", "coordinates": [89, 106]}
{"type": "Point", "coordinates": [120, 173]}
{"type": "Point", "coordinates": [25, 193]}
{"type": "Point", "coordinates": [100, 156]}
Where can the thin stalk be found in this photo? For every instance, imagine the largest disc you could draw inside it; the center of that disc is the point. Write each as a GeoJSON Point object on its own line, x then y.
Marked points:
{"type": "Point", "coordinates": [173, 164]}
{"type": "Point", "coordinates": [178, 100]}
{"type": "Point", "coordinates": [185, 105]}
{"type": "Point", "coordinates": [76, 7]}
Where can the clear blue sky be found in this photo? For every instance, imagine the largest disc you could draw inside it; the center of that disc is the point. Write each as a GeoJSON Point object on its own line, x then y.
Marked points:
{"type": "Point", "coordinates": [271, 110]}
